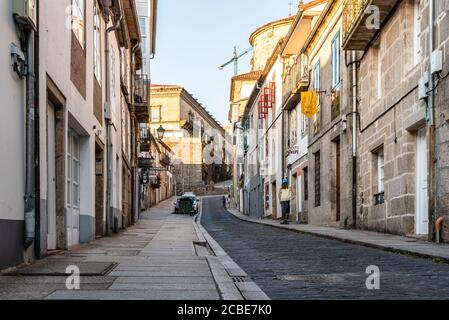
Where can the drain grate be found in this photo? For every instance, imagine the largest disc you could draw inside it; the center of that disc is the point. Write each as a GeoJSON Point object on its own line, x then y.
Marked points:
{"type": "Point", "coordinates": [238, 279]}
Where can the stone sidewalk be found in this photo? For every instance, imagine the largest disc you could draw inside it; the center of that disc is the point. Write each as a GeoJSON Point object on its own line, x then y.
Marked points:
{"type": "Point", "coordinates": [156, 259]}
{"type": "Point", "coordinates": [387, 242]}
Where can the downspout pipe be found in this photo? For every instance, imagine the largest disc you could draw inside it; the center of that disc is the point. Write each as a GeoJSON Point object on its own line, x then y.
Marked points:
{"type": "Point", "coordinates": [38, 248]}
{"type": "Point", "coordinates": [30, 203]}
{"type": "Point", "coordinates": [108, 122]}
{"type": "Point", "coordinates": [136, 133]}
{"type": "Point", "coordinates": [354, 141]}
{"type": "Point", "coordinates": [431, 129]}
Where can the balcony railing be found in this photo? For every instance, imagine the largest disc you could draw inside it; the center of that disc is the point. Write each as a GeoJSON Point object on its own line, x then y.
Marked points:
{"type": "Point", "coordinates": [142, 99]}
{"type": "Point", "coordinates": [145, 138]}
{"type": "Point", "coordinates": [146, 160]}
{"type": "Point", "coordinates": [360, 23]}
{"type": "Point", "coordinates": [296, 76]}
{"type": "Point", "coordinates": [155, 182]}
{"type": "Point", "coordinates": [165, 160]}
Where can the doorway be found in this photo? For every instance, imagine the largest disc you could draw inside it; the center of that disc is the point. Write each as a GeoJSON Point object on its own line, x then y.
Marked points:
{"type": "Point", "coordinates": [298, 195]}
{"type": "Point", "coordinates": [338, 180]}
{"type": "Point", "coordinates": [422, 196]}
{"type": "Point", "coordinates": [274, 202]}
{"type": "Point", "coordinates": [99, 190]}
{"type": "Point", "coordinates": [51, 177]}
{"type": "Point", "coordinates": [73, 188]}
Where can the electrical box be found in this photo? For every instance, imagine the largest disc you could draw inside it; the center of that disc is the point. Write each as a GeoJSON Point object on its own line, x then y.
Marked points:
{"type": "Point", "coordinates": [25, 12]}
{"type": "Point", "coordinates": [436, 63]}
{"type": "Point", "coordinates": [423, 86]}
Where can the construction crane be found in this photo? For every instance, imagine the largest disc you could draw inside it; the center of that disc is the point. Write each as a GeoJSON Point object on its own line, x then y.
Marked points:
{"type": "Point", "coordinates": [235, 59]}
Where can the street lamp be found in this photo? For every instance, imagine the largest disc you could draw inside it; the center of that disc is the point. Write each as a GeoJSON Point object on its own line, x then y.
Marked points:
{"type": "Point", "coordinates": [160, 132]}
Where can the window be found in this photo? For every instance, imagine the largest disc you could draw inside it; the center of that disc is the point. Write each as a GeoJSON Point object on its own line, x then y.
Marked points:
{"type": "Point", "coordinates": [306, 183]}
{"type": "Point", "coordinates": [379, 72]}
{"type": "Point", "coordinates": [97, 43]}
{"type": "Point", "coordinates": [379, 197]}
{"type": "Point", "coordinates": [304, 123]}
{"type": "Point", "coordinates": [316, 87]}
{"type": "Point", "coordinates": [335, 97]}
{"type": "Point", "coordinates": [156, 114]}
{"type": "Point", "coordinates": [317, 179]}
{"type": "Point", "coordinates": [293, 139]}
{"type": "Point", "coordinates": [78, 20]}
{"type": "Point", "coordinates": [380, 172]}
{"type": "Point", "coordinates": [336, 61]}
{"type": "Point", "coordinates": [417, 32]}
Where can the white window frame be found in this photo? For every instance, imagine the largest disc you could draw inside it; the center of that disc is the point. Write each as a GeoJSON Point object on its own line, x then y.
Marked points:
{"type": "Point", "coordinates": [79, 21]}
{"type": "Point", "coordinates": [380, 172]}
{"type": "Point", "coordinates": [336, 61]}
{"type": "Point", "coordinates": [417, 52]}
{"type": "Point", "coordinates": [97, 43]}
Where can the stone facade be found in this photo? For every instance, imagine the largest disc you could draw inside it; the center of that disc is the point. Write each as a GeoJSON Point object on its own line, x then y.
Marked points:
{"type": "Point", "coordinates": [392, 116]}
{"type": "Point", "coordinates": [195, 137]}
{"type": "Point", "coordinates": [330, 131]}
{"type": "Point", "coordinates": [264, 39]}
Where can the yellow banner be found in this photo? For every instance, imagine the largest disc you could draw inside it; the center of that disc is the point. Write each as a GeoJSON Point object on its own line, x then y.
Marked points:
{"type": "Point", "coordinates": [309, 103]}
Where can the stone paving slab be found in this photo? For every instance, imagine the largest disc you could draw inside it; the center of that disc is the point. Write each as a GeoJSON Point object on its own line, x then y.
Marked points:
{"type": "Point", "coordinates": [153, 260]}
{"type": "Point", "coordinates": [166, 280]}
{"type": "Point", "coordinates": [383, 241]}
{"type": "Point", "coordinates": [59, 268]}
{"type": "Point", "coordinates": [164, 286]}
{"type": "Point", "coordinates": [134, 295]}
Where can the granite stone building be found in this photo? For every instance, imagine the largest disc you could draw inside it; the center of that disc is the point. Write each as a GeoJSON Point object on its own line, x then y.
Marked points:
{"type": "Point", "coordinates": [403, 136]}
{"type": "Point", "coordinates": [374, 153]}
{"type": "Point", "coordinates": [196, 138]}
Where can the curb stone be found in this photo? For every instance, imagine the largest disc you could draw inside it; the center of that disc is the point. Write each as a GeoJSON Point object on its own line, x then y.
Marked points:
{"type": "Point", "coordinates": [224, 269]}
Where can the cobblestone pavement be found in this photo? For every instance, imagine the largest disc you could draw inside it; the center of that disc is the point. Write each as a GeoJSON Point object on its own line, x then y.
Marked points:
{"type": "Point", "coordinates": [289, 265]}
{"type": "Point", "coordinates": [153, 260]}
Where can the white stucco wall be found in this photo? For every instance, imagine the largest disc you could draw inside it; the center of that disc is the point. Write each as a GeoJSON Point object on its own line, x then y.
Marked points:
{"type": "Point", "coordinates": [55, 62]}
{"type": "Point", "coordinates": [12, 123]}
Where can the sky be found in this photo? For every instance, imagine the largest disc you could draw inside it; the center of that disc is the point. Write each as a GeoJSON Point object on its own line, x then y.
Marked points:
{"type": "Point", "coordinates": [194, 37]}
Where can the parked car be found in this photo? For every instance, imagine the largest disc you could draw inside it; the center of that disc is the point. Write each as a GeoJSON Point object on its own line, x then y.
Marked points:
{"type": "Point", "coordinates": [187, 204]}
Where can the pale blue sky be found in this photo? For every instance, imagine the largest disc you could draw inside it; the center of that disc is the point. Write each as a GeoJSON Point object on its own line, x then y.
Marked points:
{"type": "Point", "coordinates": [196, 36]}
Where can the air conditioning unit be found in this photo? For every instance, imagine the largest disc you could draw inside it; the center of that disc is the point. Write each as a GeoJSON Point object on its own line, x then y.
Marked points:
{"type": "Point", "coordinates": [25, 13]}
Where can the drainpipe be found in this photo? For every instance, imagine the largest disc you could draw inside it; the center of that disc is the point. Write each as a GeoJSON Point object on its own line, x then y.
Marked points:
{"type": "Point", "coordinates": [431, 129]}
{"type": "Point", "coordinates": [30, 204]}
{"type": "Point", "coordinates": [108, 122]}
{"type": "Point", "coordinates": [354, 141]}
{"type": "Point", "coordinates": [136, 133]}
{"type": "Point", "coordinates": [37, 245]}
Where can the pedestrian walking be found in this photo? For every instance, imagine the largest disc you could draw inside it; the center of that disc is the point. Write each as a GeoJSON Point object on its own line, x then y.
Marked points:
{"type": "Point", "coordinates": [285, 196]}
{"type": "Point", "coordinates": [228, 201]}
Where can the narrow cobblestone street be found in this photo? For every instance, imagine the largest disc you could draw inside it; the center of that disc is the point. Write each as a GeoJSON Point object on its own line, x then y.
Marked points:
{"type": "Point", "coordinates": [289, 265]}
{"type": "Point", "coordinates": [154, 260]}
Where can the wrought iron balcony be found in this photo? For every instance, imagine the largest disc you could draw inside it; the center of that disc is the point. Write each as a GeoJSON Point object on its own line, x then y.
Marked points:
{"type": "Point", "coordinates": [296, 77]}
{"type": "Point", "coordinates": [165, 160]}
{"type": "Point", "coordinates": [155, 182]}
{"type": "Point", "coordinates": [142, 99]}
{"type": "Point", "coordinates": [379, 199]}
{"type": "Point", "coordinates": [146, 160]}
{"type": "Point", "coordinates": [359, 27]}
{"type": "Point", "coordinates": [145, 140]}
